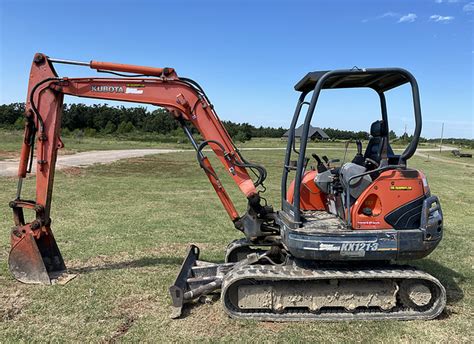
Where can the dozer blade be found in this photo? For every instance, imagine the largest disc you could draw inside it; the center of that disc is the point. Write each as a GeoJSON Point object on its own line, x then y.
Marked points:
{"type": "Point", "coordinates": [195, 278]}
{"type": "Point", "coordinates": [35, 261]}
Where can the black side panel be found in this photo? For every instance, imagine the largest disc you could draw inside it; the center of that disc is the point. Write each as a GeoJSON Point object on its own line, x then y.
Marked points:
{"type": "Point", "coordinates": [407, 216]}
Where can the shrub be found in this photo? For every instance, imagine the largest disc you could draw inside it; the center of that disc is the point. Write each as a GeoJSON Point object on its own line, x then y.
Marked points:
{"type": "Point", "coordinates": [90, 132]}
{"type": "Point", "coordinates": [242, 136]}
{"type": "Point", "coordinates": [78, 134]}
{"type": "Point", "coordinates": [109, 128]}
{"type": "Point", "coordinates": [19, 123]}
{"type": "Point", "coordinates": [125, 127]}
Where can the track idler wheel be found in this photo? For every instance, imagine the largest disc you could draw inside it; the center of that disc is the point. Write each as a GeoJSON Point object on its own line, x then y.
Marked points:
{"type": "Point", "coordinates": [34, 257]}
{"type": "Point", "coordinates": [416, 294]}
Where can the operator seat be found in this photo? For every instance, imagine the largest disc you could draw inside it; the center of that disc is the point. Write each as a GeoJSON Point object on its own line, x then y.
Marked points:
{"type": "Point", "coordinates": [379, 136]}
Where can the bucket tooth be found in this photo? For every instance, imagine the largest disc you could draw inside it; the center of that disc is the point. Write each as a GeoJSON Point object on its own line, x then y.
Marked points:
{"type": "Point", "coordinates": [35, 261]}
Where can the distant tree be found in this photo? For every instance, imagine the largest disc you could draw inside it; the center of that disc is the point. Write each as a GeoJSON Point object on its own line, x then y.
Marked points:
{"type": "Point", "coordinates": [392, 135]}
{"type": "Point", "coordinates": [19, 123]}
{"type": "Point", "coordinates": [9, 113]}
{"type": "Point", "coordinates": [231, 127]}
{"type": "Point", "coordinates": [105, 119]}
{"type": "Point", "coordinates": [90, 132]}
{"type": "Point", "coordinates": [250, 131]}
{"type": "Point", "coordinates": [245, 131]}
{"type": "Point", "coordinates": [338, 134]}
{"type": "Point", "coordinates": [109, 128]}
{"type": "Point", "coordinates": [241, 136]}
{"type": "Point", "coordinates": [125, 127]}
{"type": "Point", "coordinates": [362, 135]}
{"type": "Point", "coordinates": [65, 132]}
{"type": "Point", "coordinates": [159, 121]}
{"type": "Point", "coordinates": [78, 134]}
{"type": "Point", "coordinates": [404, 137]}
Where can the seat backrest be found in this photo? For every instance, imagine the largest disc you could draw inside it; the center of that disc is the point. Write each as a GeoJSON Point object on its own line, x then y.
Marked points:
{"type": "Point", "coordinates": [378, 133]}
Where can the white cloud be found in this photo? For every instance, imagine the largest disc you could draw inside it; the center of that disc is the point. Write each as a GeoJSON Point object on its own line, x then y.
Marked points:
{"type": "Point", "coordinates": [469, 8]}
{"type": "Point", "coordinates": [409, 18]}
{"type": "Point", "coordinates": [450, 1]}
{"type": "Point", "coordinates": [388, 14]}
{"type": "Point", "coordinates": [441, 19]}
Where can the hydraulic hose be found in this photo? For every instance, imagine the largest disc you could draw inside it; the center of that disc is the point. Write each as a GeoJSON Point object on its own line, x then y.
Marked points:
{"type": "Point", "coordinates": [32, 102]}
{"type": "Point", "coordinates": [262, 172]}
{"type": "Point", "coordinates": [200, 155]}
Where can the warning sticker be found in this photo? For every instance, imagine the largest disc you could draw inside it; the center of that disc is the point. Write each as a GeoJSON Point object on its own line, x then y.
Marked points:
{"type": "Point", "coordinates": [132, 90]}
{"type": "Point", "coordinates": [400, 188]}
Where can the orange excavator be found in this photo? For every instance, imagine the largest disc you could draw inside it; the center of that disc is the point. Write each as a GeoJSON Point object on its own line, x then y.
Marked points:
{"type": "Point", "coordinates": [330, 253]}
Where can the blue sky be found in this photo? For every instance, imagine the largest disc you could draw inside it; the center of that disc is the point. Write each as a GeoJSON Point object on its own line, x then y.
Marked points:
{"type": "Point", "coordinates": [249, 54]}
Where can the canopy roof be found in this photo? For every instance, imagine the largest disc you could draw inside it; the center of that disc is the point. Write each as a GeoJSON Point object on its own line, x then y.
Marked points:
{"type": "Point", "coordinates": [379, 79]}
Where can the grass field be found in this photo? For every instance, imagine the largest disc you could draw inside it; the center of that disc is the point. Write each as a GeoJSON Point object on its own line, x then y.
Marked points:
{"type": "Point", "coordinates": [124, 229]}
{"type": "Point", "coordinates": [11, 143]}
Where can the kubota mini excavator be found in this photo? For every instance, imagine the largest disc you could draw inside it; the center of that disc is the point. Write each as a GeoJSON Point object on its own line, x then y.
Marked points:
{"type": "Point", "coordinates": [328, 254]}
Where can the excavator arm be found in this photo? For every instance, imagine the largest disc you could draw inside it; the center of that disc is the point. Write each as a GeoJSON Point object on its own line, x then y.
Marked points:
{"type": "Point", "coordinates": [34, 256]}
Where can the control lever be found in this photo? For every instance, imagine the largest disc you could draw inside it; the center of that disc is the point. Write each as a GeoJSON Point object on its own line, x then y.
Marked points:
{"type": "Point", "coordinates": [359, 147]}
{"type": "Point", "coordinates": [359, 158]}
{"type": "Point", "coordinates": [306, 160]}
{"type": "Point", "coordinates": [329, 162]}
{"type": "Point", "coordinates": [320, 167]}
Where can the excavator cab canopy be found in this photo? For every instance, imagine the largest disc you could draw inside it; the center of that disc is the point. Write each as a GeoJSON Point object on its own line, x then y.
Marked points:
{"type": "Point", "coordinates": [380, 80]}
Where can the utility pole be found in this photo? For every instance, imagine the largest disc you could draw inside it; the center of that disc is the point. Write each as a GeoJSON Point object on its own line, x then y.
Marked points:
{"type": "Point", "coordinates": [441, 140]}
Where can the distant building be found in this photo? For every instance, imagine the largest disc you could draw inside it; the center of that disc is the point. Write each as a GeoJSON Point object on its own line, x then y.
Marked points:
{"type": "Point", "coordinates": [314, 133]}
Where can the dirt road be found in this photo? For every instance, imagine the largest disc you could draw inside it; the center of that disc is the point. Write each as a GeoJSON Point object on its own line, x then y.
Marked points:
{"type": "Point", "coordinates": [9, 167]}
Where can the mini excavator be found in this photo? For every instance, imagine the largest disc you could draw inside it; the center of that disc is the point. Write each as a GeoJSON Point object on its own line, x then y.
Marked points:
{"type": "Point", "coordinates": [330, 253]}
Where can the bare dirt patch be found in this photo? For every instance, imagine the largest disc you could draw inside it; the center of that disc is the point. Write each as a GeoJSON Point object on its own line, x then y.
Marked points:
{"type": "Point", "coordinates": [11, 304]}
{"type": "Point", "coordinates": [72, 159]}
{"type": "Point", "coordinates": [8, 154]}
{"type": "Point", "coordinates": [137, 306]}
{"type": "Point", "coordinates": [122, 329]}
{"type": "Point", "coordinates": [272, 326]}
{"type": "Point", "coordinates": [72, 171]}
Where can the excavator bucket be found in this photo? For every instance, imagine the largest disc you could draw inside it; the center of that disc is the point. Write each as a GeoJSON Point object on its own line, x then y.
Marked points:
{"type": "Point", "coordinates": [35, 261]}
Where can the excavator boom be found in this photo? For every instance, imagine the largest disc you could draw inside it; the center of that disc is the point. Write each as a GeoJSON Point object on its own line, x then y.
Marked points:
{"type": "Point", "coordinates": [162, 87]}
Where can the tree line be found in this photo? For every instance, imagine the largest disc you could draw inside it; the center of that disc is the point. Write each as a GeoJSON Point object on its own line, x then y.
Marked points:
{"type": "Point", "coordinates": [91, 120]}
{"type": "Point", "coordinates": [104, 119]}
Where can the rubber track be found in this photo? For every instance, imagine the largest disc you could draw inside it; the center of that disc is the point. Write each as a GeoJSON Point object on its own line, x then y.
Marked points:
{"type": "Point", "coordinates": [272, 273]}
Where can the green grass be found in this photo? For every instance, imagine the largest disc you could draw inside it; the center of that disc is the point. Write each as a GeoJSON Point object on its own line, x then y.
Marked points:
{"type": "Point", "coordinates": [11, 141]}
{"type": "Point", "coordinates": [449, 156]}
{"type": "Point", "coordinates": [124, 228]}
